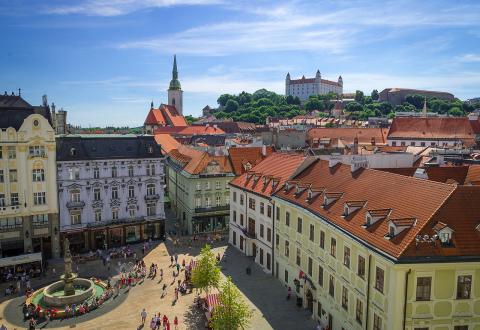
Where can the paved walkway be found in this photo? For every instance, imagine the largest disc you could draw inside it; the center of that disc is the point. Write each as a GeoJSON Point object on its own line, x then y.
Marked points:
{"type": "Point", "coordinates": [265, 294]}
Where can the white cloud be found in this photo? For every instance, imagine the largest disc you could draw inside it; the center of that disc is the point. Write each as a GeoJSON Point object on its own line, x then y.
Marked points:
{"type": "Point", "coordinates": [470, 58]}
{"type": "Point", "coordinates": [120, 7]}
{"type": "Point", "coordinates": [220, 84]}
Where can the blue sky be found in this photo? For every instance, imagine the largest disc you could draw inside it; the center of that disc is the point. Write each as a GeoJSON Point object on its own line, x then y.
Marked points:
{"type": "Point", "coordinates": [104, 61]}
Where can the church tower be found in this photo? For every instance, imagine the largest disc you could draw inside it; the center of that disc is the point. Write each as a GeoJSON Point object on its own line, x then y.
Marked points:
{"type": "Point", "coordinates": [175, 93]}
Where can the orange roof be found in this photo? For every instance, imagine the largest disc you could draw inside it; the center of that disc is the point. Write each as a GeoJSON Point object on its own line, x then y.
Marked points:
{"type": "Point", "coordinates": [239, 157]}
{"type": "Point", "coordinates": [445, 174]}
{"type": "Point", "coordinates": [348, 134]}
{"type": "Point", "coordinates": [271, 173]}
{"type": "Point", "coordinates": [167, 142]}
{"type": "Point", "coordinates": [196, 161]}
{"type": "Point", "coordinates": [473, 174]}
{"type": "Point", "coordinates": [165, 115]}
{"type": "Point", "coordinates": [190, 130]}
{"type": "Point", "coordinates": [433, 128]}
{"type": "Point", "coordinates": [407, 197]}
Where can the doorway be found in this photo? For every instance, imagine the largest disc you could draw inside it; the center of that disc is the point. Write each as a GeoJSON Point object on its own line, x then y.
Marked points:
{"type": "Point", "coordinates": [310, 301]}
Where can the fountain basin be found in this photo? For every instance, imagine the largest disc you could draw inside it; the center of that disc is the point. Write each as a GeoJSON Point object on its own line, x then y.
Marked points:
{"type": "Point", "coordinates": [53, 295]}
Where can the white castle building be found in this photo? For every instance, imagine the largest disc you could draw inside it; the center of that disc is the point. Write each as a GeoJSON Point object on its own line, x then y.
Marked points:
{"type": "Point", "coordinates": [305, 87]}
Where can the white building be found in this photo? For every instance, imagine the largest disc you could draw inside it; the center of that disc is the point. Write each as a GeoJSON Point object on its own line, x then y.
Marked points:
{"type": "Point", "coordinates": [111, 190]}
{"type": "Point", "coordinates": [304, 87]}
{"type": "Point", "coordinates": [251, 208]}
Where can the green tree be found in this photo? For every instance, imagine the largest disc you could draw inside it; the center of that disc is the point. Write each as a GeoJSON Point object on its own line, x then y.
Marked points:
{"type": "Point", "coordinates": [233, 313]}
{"type": "Point", "coordinates": [314, 103]}
{"type": "Point", "coordinates": [353, 107]}
{"type": "Point", "coordinates": [455, 111]}
{"type": "Point", "coordinates": [231, 106]}
{"type": "Point", "coordinates": [207, 273]}
{"type": "Point", "coordinates": [415, 100]}
{"type": "Point", "coordinates": [223, 99]}
{"type": "Point", "coordinates": [374, 95]}
{"type": "Point", "coordinates": [190, 119]}
{"type": "Point", "coordinates": [329, 125]}
{"type": "Point", "coordinates": [244, 98]}
{"type": "Point", "coordinates": [359, 96]}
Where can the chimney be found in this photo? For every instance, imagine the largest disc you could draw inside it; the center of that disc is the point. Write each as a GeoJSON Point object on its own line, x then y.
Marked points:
{"type": "Point", "coordinates": [264, 151]}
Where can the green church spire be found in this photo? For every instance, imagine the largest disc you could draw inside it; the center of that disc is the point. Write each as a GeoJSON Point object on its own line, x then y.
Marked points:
{"type": "Point", "coordinates": [174, 83]}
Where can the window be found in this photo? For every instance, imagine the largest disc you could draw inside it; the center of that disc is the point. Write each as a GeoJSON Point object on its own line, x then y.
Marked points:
{"type": "Point", "coordinates": [312, 232]}
{"type": "Point", "coordinates": [269, 234]}
{"type": "Point", "coordinates": [424, 285]}
{"type": "Point", "coordinates": [460, 327]}
{"type": "Point", "coordinates": [241, 199]}
{"type": "Point", "coordinates": [377, 322]}
{"type": "Point", "coordinates": [464, 286]}
{"type": "Point", "coordinates": [12, 152]}
{"type": "Point", "coordinates": [75, 218]}
{"type": "Point", "coordinates": [2, 200]}
{"type": "Point", "coordinates": [287, 249]}
{"type": "Point", "coordinates": [98, 215]}
{"type": "Point", "coordinates": [217, 185]}
{"type": "Point", "coordinates": [2, 178]}
{"type": "Point", "coordinates": [199, 187]}
{"type": "Point", "coordinates": [38, 198]}
{"type": "Point", "coordinates": [40, 219]}
{"type": "Point", "coordinates": [269, 211]}
{"type": "Point", "coordinates": [320, 275]}
{"type": "Point", "coordinates": [218, 200]}
{"type": "Point", "coordinates": [241, 219]}
{"type": "Point", "coordinates": [38, 175]}
{"type": "Point", "coordinates": [299, 257]}
{"type": "Point", "coordinates": [379, 279]}
{"type": "Point", "coordinates": [319, 309]}
{"type": "Point", "coordinates": [345, 298]}
{"type": "Point", "coordinates": [208, 202]}
{"type": "Point", "coordinates": [322, 239]}
{"type": "Point", "coordinates": [278, 213]}
{"type": "Point", "coordinates": [269, 261]}
{"type": "Point", "coordinates": [234, 238]}
{"type": "Point", "coordinates": [361, 267]}
{"type": "Point", "coordinates": [251, 204]}
{"type": "Point", "coordinates": [331, 286]}
{"type": "Point", "coordinates": [286, 276]}
{"type": "Point", "coordinates": [227, 199]}
{"type": "Point", "coordinates": [207, 185]}
{"type": "Point", "coordinates": [150, 169]}
{"type": "Point", "coordinates": [333, 247]}
{"type": "Point", "coordinates": [114, 172]}
{"type": "Point", "coordinates": [234, 196]}
{"type": "Point", "coordinates": [36, 151]}
{"type": "Point", "coordinates": [299, 225]}
{"type": "Point", "coordinates": [132, 211]}
{"type": "Point", "coordinates": [150, 189]}
{"type": "Point", "coordinates": [96, 194]}
{"type": "Point", "coordinates": [75, 195]}
{"type": "Point", "coordinates": [11, 223]}
{"type": "Point", "coordinates": [261, 256]}
{"type": "Point", "coordinates": [198, 203]}
{"type": "Point", "coordinates": [14, 201]}
{"type": "Point", "coordinates": [262, 229]}
{"type": "Point", "coordinates": [74, 173]}
{"type": "Point", "coordinates": [346, 256]}
{"type": "Point", "coordinates": [96, 173]}
{"type": "Point", "coordinates": [287, 219]}
{"type": "Point", "coordinates": [114, 192]}
{"type": "Point", "coordinates": [131, 191]}
{"type": "Point", "coordinates": [1, 152]}
{"type": "Point", "coordinates": [151, 209]}
{"type": "Point", "coordinates": [130, 171]}
{"type": "Point", "coordinates": [277, 240]}
{"type": "Point", "coordinates": [359, 311]}
{"type": "Point", "coordinates": [262, 208]}
{"type": "Point", "coordinates": [310, 266]}
{"type": "Point", "coordinates": [13, 176]}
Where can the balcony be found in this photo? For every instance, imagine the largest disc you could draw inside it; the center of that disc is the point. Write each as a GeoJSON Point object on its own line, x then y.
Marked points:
{"type": "Point", "coordinates": [75, 205]}
{"type": "Point", "coordinates": [212, 209]}
{"type": "Point", "coordinates": [154, 197]}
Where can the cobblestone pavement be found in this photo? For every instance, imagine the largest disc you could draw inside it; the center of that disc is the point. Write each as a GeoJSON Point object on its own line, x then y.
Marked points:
{"type": "Point", "coordinates": [265, 295]}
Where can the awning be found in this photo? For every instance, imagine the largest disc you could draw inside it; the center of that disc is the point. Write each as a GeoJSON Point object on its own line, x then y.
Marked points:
{"type": "Point", "coordinates": [212, 301]}
{"type": "Point", "coordinates": [21, 259]}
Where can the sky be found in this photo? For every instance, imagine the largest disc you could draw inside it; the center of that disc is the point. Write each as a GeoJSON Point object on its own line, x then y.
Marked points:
{"type": "Point", "coordinates": [105, 61]}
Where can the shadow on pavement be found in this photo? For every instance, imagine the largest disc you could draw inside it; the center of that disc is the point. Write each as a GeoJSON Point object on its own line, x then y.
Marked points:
{"type": "Point", "coordinates": [194, 318]}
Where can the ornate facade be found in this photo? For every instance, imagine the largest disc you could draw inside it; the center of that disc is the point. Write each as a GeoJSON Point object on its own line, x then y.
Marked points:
{"type": "Point", "coordinates": [110, 190]}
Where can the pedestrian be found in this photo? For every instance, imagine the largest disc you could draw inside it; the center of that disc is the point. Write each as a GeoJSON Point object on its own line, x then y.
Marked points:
{"type": "Point", "coordinates": [171, 260]}
{"type": "Point", "coordinates": [176, 258]}
{"type": "Point", "coordinates": [161, 273]}
{"type": "Point", "coordinates": [178, 268]}
{"type": "Point", "coordinates": [144, 316]}
{"type": "Point", "coordinates": [175, 322]}
{"type": "Point", "coordinates": [54, 271]}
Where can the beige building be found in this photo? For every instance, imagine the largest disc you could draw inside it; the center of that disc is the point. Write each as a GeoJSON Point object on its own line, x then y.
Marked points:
{"type": "Point", "coordinates": [28, 191]}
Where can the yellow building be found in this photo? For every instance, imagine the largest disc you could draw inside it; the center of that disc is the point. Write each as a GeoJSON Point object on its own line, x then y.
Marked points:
{"type": "Point", "coordinates": [365, 249]}
{"type": "Point", "coordinates": [28, 191]}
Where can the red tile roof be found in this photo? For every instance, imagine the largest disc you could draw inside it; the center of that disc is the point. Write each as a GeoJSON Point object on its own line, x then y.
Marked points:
{"type": "Point", "coordinates": [240, 156]}
{"type": "Point", "coordinates": [271, 173]}
{"type": "Point", "coordinates": [167, 142]}
{"type": "Point", "coordinates": [347, 135]}
{"type": "Point", "coordinates": [190, 130]}
{"type": "Point", "coordinates": [196, 161]}
{"type": "Point", "coordinates": [407, 197]}
{"type": "Point", "coordinates": [165, 115]}
{"type": "Point", "coordinates": [445, 174]}
{"type": "Point", "coordinates": [433, 128]}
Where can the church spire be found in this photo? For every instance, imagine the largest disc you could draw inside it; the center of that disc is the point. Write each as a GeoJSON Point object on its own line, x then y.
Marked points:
{"type": "Point", "coordinates": [174, 83]}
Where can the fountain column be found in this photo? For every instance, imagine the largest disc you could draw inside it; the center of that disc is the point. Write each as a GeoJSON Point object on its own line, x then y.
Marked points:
{"type": "Point", "coordinates": [68, 276]}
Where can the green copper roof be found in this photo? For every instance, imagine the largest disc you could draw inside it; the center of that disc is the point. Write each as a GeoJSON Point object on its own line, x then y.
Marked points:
{"type": "Point", "coordinates": [174, 83]}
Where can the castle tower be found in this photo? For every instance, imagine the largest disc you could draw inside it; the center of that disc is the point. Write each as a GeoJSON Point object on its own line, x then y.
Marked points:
{"type": "Point", "coordinates": [287, 83]}
{"type": "Point", "coordinates": [340, 80]}
{"type": "Point", "coordinates": [318, 82]}
{"type": "Point", "coordinates": [175, 93]}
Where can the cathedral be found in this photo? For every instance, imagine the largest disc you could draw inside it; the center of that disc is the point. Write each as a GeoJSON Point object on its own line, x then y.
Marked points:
{"type": "Point", "coordinates": [304, 87]}
{"type": "Point", "coordinates": [171, 114]}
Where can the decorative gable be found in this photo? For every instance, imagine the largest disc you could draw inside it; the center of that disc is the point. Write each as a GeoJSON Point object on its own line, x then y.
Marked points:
{"type": "Point", "coordinates": [351, 206]}
{"type": "Point", "coordinates": [330, 197]}
{"type": "Point", "coordinates": [396, 226]}
{"type": "Point", "coordinates": [373, 216]}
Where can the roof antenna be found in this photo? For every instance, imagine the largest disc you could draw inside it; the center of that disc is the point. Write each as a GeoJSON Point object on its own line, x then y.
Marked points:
{"type": "Point", "coordinates": [19, 92]}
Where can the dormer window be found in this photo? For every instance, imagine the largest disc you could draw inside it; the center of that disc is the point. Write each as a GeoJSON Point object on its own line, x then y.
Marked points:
{"type": "Point", "coordinates": [444, 232]}
{"type": "Point", "coordinates": [247, 166]}
{"type": "Point", "coordinates": [73, 152]}
{"type": "Point", "coordinates": [352, 206]}
{"type": "Point", "coordinates": [373, 216]}
{"type": "Point", "coordinates": [331, 197]}
{"type": "Point", "coordinates": [396, 226]}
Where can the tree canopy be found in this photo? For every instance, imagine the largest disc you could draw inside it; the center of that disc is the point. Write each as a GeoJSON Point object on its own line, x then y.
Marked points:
{"type": "Point", "coordinates": [207, 273]}
{"type": "Point", "coordinates": [233, 313]}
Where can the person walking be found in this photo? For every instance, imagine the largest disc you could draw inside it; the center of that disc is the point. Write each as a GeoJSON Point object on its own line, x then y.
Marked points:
{"type": "Point", "coordinates": [171, 260]}
{"type": "Point", "coordinates": [175, 322]}
{"type": "Point", "coordinates": [143, 314]}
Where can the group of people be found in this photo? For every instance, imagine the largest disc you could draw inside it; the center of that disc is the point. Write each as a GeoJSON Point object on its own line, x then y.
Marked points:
{"type": "Point", "coordinates": [158, 322]}
{"type": "Point", "coordinates": [22, 281]}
